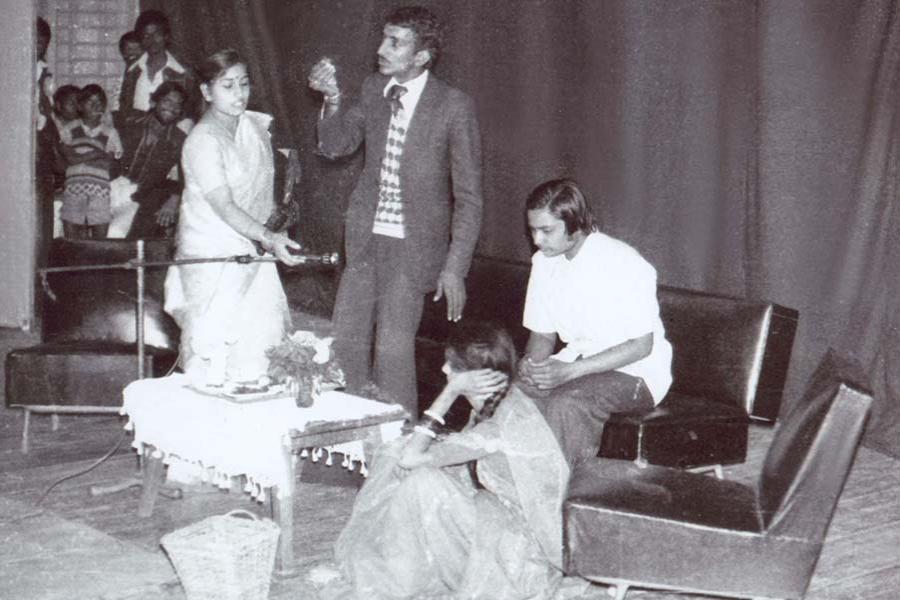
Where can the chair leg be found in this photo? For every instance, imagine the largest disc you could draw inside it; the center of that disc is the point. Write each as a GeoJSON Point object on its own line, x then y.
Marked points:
{"type": "Point", "coordinates": [26, 442]}
{"type": "Point", "coordinates": [54, 422]}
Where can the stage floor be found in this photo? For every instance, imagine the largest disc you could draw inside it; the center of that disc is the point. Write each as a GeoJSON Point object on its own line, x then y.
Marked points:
{"type": "Point", "coordinates": [860, 558]}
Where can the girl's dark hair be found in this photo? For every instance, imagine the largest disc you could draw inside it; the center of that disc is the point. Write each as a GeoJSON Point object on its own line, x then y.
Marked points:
{"type": "Point", "coordinates": [91, 89]}
{"type": "Point", "coordinates": [217, 63]}
{"type": "Point", "coordinates": [482, 345]}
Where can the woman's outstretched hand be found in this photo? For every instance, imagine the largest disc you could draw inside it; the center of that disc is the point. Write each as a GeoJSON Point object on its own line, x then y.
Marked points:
{"type": "Point", "coordinates": [278, 244]}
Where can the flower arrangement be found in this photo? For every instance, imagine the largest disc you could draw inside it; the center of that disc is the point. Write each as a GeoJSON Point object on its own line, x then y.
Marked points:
{"type": "Point", "coordinates": [306, 363]}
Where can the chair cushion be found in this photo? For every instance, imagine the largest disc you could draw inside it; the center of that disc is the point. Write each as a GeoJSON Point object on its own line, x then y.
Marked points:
{"type": "Point", "coordinates": [662, 493]}
{"type": "Point", "coordinates": [683, 431]}
{"type": "Point", "coordinates": [672, 528]}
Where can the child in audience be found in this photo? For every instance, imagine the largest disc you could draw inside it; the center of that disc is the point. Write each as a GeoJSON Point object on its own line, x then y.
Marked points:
{"type": "Point", "coordinates": [90, 154]}
{"type": "Point", "coordinates": [63, 119]}
{"type": "Point", "coordinates": [152, 144]}
{"type": "Point", "coordinates": [46, 138]}
{"type": "Point", "coordinates": [44, 87]}
{"type": "Point", "coordinates": [130, 47]}
{"type": "Point", "coordinates": [65, 110]}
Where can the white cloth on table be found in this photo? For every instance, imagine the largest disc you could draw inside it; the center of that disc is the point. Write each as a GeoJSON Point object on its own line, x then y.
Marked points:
{"type": "Point", "coordinates": [232, 438]}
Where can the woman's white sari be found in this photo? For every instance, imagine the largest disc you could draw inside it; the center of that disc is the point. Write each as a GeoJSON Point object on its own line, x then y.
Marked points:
{"type": "Point", "coordinates": [433, 534]}
{"type": "Point", "coordinates": [229, 313]}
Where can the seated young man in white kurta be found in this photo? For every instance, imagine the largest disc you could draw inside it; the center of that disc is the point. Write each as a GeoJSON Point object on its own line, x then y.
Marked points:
{"type": "Point", "coordinates": [597, 295]}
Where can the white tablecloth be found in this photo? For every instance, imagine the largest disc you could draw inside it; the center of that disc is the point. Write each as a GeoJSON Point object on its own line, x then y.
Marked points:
{"type": "Point", "coordinates": [229, 438]}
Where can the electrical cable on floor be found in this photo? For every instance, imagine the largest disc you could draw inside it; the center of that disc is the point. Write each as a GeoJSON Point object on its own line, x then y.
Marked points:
{"type": "Point", "coordinates": [96, 464]}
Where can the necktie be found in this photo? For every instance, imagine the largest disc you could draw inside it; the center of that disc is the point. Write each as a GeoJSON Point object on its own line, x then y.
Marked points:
{"type": "Point", "coordinates": [394, 95]}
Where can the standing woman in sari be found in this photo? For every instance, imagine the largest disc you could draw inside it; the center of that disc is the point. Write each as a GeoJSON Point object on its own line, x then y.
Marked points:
{"type": "Point", "coordinates": [229, 313]}
{"type": "Point", "coordinates": [421, 526]}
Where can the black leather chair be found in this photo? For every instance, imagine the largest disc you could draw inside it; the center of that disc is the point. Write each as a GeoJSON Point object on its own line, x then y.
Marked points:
{"type": "Point", "coordinates": [88, 352]}
{"type": "Point", "coordinates": [730, 362]}
{"type": "Point", "coordinates": [666, 528]}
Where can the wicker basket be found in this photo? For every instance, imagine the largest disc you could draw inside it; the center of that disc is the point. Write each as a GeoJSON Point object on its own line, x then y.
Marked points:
{"type": "Point", "coordinates": [224, 557]}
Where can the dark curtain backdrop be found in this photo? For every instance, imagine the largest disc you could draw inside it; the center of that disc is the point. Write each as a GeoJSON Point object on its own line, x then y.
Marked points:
{"type": "Point", "coordinates": [743, 147]}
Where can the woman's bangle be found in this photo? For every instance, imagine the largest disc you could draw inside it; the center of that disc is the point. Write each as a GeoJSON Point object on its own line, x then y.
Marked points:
{"type": "Point", "coordinates": [265, 234]}
{"type": "Point", "coordinates": [334, 99]}
{"type": "Point", "coordinates": [435, 416]}
{"type": "Point", "coordinates": [425, 431]}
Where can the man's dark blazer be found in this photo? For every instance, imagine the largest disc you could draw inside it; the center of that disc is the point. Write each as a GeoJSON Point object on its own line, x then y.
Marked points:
{"type": "Point", "coordinates": [440, 175]}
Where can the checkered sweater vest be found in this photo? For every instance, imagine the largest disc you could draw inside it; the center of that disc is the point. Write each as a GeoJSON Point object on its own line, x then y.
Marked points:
{"type": "Point", "coordinates": [389, 212]}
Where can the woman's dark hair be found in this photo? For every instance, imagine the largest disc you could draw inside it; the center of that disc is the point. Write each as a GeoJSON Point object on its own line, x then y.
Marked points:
{"type": "Point", "coordinates": [565, 201]}
{"type": "Point", "coordinates": [167, 87]}
{"type": "Point", "coordinates": [153, 17]}
{"type": "Point", "coordinates": [428, 29]}
{"type": "Point", "coordinates": [482, 345]}
{"type": "Point", "coordinates": [217, 63]}
{"type": "Point", "coordinates": [90, 90]}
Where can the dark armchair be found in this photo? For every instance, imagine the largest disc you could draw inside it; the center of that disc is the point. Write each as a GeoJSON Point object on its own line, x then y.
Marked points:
{"type": "Point", "coordinates": [730, 362]}
{"type": "Point", "coordinates": [665, 528]}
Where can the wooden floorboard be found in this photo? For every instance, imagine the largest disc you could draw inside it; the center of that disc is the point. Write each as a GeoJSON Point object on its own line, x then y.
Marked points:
{"type": "Point", "coordinates": [860, 558]}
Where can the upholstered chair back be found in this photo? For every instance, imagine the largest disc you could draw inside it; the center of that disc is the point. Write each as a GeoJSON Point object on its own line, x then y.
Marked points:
{"type": "Point", "coordinates": [728, 349]}
{"type": "Point", "coordinates": [811, 452]}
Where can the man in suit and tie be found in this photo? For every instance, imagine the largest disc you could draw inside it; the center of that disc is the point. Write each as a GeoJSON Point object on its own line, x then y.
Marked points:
{"type": "Point", "coordinates": [414, 216]}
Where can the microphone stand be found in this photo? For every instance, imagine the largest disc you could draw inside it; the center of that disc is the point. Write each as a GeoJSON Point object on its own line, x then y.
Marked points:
{"type": "Point", "coordinates": [139, 265]}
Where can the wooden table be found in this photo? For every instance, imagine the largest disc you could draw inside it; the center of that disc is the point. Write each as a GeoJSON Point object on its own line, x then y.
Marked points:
{"type": "Point", "coordinates": [372, 431]}
{"type": "Point", "coordinates": [261, 441]}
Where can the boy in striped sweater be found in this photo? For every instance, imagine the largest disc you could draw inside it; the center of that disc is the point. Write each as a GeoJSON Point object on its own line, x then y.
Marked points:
{"type": "Point", "coordinates": [90, 153]}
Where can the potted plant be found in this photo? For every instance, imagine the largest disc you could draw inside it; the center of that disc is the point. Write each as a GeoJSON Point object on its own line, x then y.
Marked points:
{"type": "Point", "coordinates": [306, 363]}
